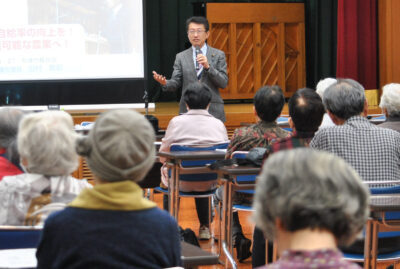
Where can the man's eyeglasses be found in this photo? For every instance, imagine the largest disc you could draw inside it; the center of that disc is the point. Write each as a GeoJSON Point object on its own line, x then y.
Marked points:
{"type": "Point", "coordinates": [192, 32]}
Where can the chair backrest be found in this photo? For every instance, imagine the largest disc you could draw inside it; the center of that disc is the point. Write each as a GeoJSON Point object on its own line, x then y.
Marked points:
{"type": "Point", "coordinates": [199, 175]}
{"type": "Point", "coordinates": [243, 178]}
{"type": "Point", "coordinates": [13, 237]}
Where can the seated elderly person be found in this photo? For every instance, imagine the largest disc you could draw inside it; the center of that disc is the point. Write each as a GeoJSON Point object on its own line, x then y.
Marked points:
{"type": "Point", "coordinates": [322, 85]}
{"type": "Point", "coordinates": [372, 151]}
{"type": "Point", "coordinates": [309, 202]}
{"type": "Point", "coordinates": [390, 105]}
{"type": "Point", "coordinates": [197, 126]}
{"type": "Point", "coordinates": [9, 157]}
{"type": "Point", "coordinates": [46, 147]}
{"type": "Point", "coordinates": [113, 225]}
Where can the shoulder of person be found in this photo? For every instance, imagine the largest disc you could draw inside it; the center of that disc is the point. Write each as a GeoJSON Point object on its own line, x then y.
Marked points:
{"type": "Point", "coordinates": [214, 50]}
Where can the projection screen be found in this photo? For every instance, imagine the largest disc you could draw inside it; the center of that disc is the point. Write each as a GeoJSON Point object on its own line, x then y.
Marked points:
{"type": "Point", "coordinates": [71, 39]}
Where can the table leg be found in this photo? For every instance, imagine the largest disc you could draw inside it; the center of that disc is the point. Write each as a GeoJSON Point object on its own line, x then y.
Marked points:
{"type": "Point", "coordinates": [227, 217]}
{"type": "Point", "coordinates": [374, 249]}
{"type": "Point", "coordinates": [367, 244]}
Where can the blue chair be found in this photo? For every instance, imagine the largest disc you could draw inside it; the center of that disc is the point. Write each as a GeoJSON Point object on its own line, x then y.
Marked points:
{"type": "Point", "coordinates": [14, 237]}
{"type": "Point", "coordinates": [384, 224]}
{"type": "Point", "coordinates": [195, 171]}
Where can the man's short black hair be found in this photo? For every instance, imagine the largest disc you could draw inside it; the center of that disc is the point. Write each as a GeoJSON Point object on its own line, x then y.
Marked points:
{"type": "Point", "coordinates": [268, 102]}
{"type": "Point", "coordinates": [198, 20]}
{"type": "Point", "coordinates": [306, 110]}
{"type": "Point", "coordinates": [197, 96]}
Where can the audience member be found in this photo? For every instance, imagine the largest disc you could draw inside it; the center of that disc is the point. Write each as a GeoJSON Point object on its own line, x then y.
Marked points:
{"type": "Point", "coordinates": [46, 147]}
{"type": "Point", "coordinates": [268, 104]}
{"type": "Point", "coordinates": [9, 157]}
{"type": "Point", "coordinates": [306, 112]}
{"type": "Point", "coordinates": [197, 126]}
{"type": "Point", "coordinates": [113, 225]}
{"type": "Point", "coordinates": [309, 202]}
{"type": "Point", "coordinates": [321, 87]}
{"type": "Point", "coordinates": [372, 151]}
{"type": "Point", "coordinates": [390, 105]}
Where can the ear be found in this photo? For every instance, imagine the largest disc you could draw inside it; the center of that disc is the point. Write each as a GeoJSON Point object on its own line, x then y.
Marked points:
{"type": "Point", "coordinates": [365, 111]}
{"type": "Point", "coordinates": [384, 111]}
{"type": "Point", "coordinates": [336, 120]}
{"type": "Point", "coordinates": [291, 124]}
{"type": "Point", "coordinates": [255, 114]}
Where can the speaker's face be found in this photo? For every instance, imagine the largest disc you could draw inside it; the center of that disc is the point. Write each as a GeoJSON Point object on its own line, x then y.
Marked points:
{"type": "Point", "coordinates": [197, 34]}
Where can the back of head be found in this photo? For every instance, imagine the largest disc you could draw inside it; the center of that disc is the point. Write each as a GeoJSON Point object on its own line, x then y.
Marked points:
{"type": "Point", "coordinates": [9, 122]}
{"type": "Point", "coordinates": [345, 98]}
{"type": "Point", "coordinates": [46, 140]}
{"type": "Point", "coordinates": [119, 147]}
{"type": "Point", "coordinates": [268, 102]}
{"type": "Point", "coordinates": [309, 189]}
{"type": "Point", "coordinates": [324, 84]}
{"type": "Point", "coordinates": [306, 110]}
{"type": "Point", "coordinates": [198, 20]}
{"type": "Point", "coordinates": [197, 96]}
{"type": "Point", "coordinates": [390, 99]}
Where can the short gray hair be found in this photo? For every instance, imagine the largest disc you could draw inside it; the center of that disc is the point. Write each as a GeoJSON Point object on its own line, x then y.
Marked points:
{"type": "Point", "coordinates": [323, 84]}
{"type": "Point", "coordinates": [306, 188]}
{"type": "Point", "coordinates": [390, 99]}
{"type": "Point", "coordinates": [119, 147]}
{"type": "Point", "coordinates": [345, 98]}
{"type": "Point", "coordinates": [47, 141]}
{"type": "Point", "coordinates": [9, 122]}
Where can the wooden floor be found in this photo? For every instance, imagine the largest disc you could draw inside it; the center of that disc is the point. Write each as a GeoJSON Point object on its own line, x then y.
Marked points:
{"type": "Point", "coordinates": [188, 219]}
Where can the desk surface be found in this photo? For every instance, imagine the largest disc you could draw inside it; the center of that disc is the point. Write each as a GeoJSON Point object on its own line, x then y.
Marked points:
{"type": "Point", "coordinates": [235, 170]}
{"type": "Point", "coordinates": [381, 203]}
{"type": "Point", "coordinates": [25, 257]}
{"type": "Point", "coordinates": [193, 155]}
{"type": "Point", "coordinates": [194, 256]}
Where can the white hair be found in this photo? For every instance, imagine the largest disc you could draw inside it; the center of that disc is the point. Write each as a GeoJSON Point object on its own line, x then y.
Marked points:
{"type": "Point", "coordinates": [324, 84]}
{"type": "Point", "coordinates": [47, 141]}
{"type": "Point", "coordinates": [390, 99]}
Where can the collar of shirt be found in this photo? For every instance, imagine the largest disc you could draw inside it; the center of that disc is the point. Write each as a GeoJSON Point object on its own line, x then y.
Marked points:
{"type": "Point", "coordinates": [203, 51]}
{"type": "Point", "coordinates": [198, 112]}
{"type": "Point", "coordinates": [358, 121]}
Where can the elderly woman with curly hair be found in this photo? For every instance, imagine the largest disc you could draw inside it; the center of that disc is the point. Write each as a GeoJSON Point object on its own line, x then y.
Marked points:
{"type": "Point", "coordinates": [390, 105]}
{"type": "Point", "coordinates": [310, 202]}
{"type": "Point", "coordinates": [46, 145]}
{"type": "Point", "coordinates": [113, 225]}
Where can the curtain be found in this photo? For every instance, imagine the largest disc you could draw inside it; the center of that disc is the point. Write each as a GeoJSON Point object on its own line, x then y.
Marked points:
{"type": "Point", "coordinates": [357, 41]}
{"type": "Point", "coordinates": [321, 18]}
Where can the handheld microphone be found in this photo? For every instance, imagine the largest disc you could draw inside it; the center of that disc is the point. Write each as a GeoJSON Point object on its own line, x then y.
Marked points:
{"type": "Point", "coordinates": [197, 51]}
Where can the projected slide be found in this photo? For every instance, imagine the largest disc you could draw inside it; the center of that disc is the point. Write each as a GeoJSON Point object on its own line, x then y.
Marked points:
{"type": "Point", "coordinates": [71, 39]}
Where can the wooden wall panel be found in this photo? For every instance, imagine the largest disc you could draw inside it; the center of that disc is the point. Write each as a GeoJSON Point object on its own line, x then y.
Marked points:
{"type": "Point", "coordinates": [264, 45]}
{"type": "Point", "coordinates": [389, 41]}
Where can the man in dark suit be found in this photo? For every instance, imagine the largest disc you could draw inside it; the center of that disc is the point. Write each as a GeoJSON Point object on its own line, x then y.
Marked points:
{"type": "Point", "coordinates": [207, 65]}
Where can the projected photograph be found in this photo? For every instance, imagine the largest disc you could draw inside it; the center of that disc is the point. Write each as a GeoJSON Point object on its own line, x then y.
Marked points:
{"type": "Point", "coordinates": [71, 39]}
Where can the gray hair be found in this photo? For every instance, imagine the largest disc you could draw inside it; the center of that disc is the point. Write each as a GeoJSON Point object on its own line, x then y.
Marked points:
{"type": "Point", "coordinates": [47, 141]}
{"type": "Point", "coordinates": [323, 84]}
{"type": "Point", "coordinates": [9, 121]}
{"type": "Point", "coordinates": [305, 188]}
{"type": "Point", "coordinates": [390, 99]}
{"type": "Point", "coordinates": [345, 98]}
{"type": "Point", "coordinates": [120, 146]}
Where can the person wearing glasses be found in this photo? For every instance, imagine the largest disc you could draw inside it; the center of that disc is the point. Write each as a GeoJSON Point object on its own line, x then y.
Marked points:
{"type": "Point", "coordinates": [200, 62]}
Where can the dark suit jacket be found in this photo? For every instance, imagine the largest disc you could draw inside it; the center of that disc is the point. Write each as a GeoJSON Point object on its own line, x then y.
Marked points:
{"type": "Point", "coordinates": [215, 77]}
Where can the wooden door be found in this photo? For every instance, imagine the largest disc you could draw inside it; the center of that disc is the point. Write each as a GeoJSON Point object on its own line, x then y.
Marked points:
{"type": "Point", "coordinates": [264, 45]}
